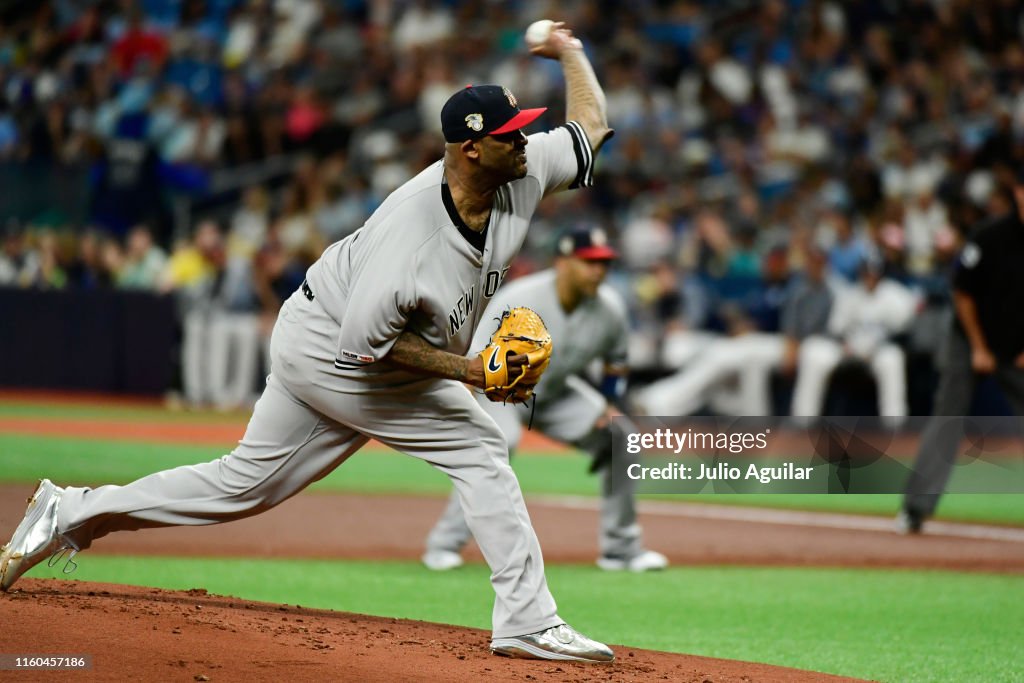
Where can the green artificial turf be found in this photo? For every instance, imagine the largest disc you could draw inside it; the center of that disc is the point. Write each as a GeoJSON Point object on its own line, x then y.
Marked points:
{"type": "Point", "coordinates": [880, 625]}
{"type": "Point", "coordinates": [69, 460]}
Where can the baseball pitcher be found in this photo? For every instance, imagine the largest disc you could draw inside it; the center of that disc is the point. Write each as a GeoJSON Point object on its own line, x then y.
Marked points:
{"type": "Point", "coordinates": [373, 346]}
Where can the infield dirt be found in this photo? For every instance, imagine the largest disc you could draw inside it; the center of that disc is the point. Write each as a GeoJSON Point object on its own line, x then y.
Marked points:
{"type": "Point", "coordinates": [155, 635]}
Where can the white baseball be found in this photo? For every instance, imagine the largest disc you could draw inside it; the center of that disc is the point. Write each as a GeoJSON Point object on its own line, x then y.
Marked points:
{"type": "Point", "coordinates": [537, 33]}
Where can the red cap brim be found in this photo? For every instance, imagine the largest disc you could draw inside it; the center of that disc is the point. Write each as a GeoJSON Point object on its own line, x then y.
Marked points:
{"type": "Point", "coordinates": [524, 118]}
{"type": "Point", "coordinates": [596, 253]}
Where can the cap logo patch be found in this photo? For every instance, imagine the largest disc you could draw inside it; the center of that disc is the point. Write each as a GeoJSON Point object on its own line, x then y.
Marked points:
{"type": "Point", "coordinates": [475, 122]}
{"type": "Point", "coordinates": [510, 97]}
{"type": "Point", "coordinates": [598, 238]}
{"type": "Point", "coordinates": [565, 245]}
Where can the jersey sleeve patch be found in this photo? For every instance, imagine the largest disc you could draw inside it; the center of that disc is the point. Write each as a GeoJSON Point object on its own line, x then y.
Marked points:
{"type": "Point", "coordinates": [350, 359]}
{"type": "Point", "coordinates": [584, 156]}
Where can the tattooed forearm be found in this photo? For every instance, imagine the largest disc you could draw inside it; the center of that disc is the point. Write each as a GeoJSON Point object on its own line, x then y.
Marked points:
{"type": "Point", "coordinates": [585, 101]}
{"type": "Point", "coordinates": [412, 352]}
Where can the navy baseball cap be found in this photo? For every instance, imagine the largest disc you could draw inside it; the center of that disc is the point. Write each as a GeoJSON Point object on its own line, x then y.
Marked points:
{"type": "Point", "coordinates": [477, 111]}
{"type": "Point", "coordinates": [586, 243]}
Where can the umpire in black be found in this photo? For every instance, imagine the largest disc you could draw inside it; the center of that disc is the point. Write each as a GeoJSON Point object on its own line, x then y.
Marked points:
{"type": "Point", "coordinates": [986, 338]}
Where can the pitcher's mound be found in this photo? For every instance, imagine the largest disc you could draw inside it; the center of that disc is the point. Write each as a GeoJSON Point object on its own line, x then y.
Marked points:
{"type": "Point", "coordinates": [149, 634]}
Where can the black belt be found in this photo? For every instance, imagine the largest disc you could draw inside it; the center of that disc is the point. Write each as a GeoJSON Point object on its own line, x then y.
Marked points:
{"type": "Point", "coordinates": [306, 291]}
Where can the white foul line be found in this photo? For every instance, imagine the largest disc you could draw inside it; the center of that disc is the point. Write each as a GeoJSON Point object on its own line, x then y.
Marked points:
{"type": "Point", "coordinates": [826, 520]}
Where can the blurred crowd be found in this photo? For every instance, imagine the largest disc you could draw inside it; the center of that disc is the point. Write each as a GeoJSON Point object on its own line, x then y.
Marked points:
{"type": "Point", "coordinates": [751, 138]}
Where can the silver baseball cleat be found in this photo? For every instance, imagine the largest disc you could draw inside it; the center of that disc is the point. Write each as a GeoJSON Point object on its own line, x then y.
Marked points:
{"type": "Point", "coordinates": [558, 642]}
{"type": "Point", "coordinates": [36, 538]}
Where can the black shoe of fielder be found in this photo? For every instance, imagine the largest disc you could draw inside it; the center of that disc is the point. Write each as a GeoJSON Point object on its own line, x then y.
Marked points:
{"type": "Point", "coordinates": [36, 538]}
{"type": "Point", "coordinates": [909, 521]}
{"type": "Point", "coordinates": [558, 642]}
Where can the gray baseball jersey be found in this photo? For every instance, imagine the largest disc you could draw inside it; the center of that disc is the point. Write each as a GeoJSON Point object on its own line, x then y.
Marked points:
{"type": "Point", "coordinates": [437, 283]}
{"type": "Point", "coordinates": [407, 268]}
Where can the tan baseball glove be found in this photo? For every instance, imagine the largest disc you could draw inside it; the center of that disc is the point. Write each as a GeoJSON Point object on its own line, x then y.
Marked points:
{"type": "Point", "coordinates": [520, 331]}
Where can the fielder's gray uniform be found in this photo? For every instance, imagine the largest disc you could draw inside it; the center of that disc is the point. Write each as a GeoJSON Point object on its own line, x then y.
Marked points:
{"type": "Point", "coordinates": [409, 267]}
{"type": "Point", "coordinates": [567, 406]}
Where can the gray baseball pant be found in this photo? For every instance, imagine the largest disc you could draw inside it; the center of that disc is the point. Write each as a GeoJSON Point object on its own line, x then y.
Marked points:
{"type": "Point", "coordinates": [937, 453]}
{"type": "Point", "coordinates": [303, 427]}
{"type": "Point", "coordinates": [570, 419]}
